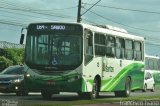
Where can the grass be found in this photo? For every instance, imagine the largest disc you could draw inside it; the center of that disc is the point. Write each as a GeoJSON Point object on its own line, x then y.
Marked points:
{"type": "Point", "coordinates": [98, 101]}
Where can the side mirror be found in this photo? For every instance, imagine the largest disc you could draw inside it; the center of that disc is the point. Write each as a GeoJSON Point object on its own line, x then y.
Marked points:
{"type": "Point", "coordinates": [22, 38]}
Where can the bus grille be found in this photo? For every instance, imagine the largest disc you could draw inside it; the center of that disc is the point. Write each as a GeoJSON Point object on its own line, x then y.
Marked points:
{"type": "Point", "coordinates": [44, 72]}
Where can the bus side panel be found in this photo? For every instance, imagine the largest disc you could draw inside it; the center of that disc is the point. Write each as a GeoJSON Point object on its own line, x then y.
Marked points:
{"type": "Point", "coordinates": [118, 82]}
{"type": "Point", "coordinates": [137, 78]}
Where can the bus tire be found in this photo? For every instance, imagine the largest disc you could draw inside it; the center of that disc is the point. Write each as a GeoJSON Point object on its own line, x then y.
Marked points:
{"type": "Point", "coordinates": [91, 95]}
{"type": "Point", "coordinates": [46, 94]}
{"type": "Point", "coordinates": [95, 90]}
{"type": "Point", "coordinates": [127, 91]}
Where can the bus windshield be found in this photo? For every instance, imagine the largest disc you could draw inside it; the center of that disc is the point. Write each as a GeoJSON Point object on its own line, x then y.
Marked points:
{"type": "Point", "coordinates": [53, 51]}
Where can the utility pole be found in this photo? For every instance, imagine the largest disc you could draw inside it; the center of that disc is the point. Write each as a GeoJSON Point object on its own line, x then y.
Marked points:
{"type": "Point", "coordinates": [79, 11]}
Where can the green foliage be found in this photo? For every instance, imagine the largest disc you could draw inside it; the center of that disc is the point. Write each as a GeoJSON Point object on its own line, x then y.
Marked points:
{"type": "Point", "coordinates": [11, 56]}
{"type": "Point", "coordinates": [4, 62]}
{"type": "Point", "coordinates": [15, 55]}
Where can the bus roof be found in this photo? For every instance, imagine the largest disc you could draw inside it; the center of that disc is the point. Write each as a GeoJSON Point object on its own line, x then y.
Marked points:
{"type": "Point", "coordinates": [98, 28]}
{"type": "Point", "coordinates": [149, 56]}
{"type": "Point", "coordinates": [118, 33]}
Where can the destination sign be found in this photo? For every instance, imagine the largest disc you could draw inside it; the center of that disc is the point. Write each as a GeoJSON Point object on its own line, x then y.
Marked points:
{"type": "Point", "coordinates": [55, 28]}
{"type": "Point", "coordinates": [51, 27]}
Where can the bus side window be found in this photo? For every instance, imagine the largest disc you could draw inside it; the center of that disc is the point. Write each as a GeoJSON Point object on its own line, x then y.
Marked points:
{"type": "Point", "coordinates": [151, 64]}
{"type": "Point", "coordinates": [120, 48]}
{"type": "Point", "coordinates": [88, 45]}
{"type": "Point", "coordinates": [146, 63]}
{"type": "Point", "coordinates": [155, 64]}
{"type": "Point", "coordinates": [137, 51]}
{"type": "Point", "coordinates": [110, 46]}
{"type": "Point", "coordinates": [128, 49]}
{"type": "Point", "coordinates": [99, 40]}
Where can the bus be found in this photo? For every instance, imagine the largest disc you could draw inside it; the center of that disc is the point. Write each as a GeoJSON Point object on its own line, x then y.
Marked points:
{"type": "Point", "coordinates": [152, 65]}
{"type": "Point", "coordinates": [82, 58]}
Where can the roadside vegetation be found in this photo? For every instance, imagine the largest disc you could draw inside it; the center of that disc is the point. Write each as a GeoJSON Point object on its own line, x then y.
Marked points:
{"type": "Point", "coordinates": [11, 56]}
{"type": "Point", "coordinates": [104, 100]}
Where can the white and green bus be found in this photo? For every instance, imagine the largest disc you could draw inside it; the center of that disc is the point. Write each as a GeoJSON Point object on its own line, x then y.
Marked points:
{"type": "Point", "coordinates": [152, 65]}
{"type": "Point", "coordinates": [82, 58]}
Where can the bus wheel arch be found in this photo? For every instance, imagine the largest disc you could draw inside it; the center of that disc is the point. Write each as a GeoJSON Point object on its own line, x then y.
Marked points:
{"type": "Point", "coordinates": [98, 79]}
{"type": "Point", "coordinates": [96, 87]}
{"type": "Point", "coordinates": [127, 88]}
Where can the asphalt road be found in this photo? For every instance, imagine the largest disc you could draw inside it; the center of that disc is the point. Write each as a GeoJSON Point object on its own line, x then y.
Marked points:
{"type": "Point", "coordinates": [35, 99]}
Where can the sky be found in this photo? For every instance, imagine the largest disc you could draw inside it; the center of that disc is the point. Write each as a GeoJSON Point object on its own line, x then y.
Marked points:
{"type": "Point", "coordinates": [138, 17]}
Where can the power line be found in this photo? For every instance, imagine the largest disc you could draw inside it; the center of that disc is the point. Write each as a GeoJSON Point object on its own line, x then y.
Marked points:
{"type": "Point", "coordinates": [152, 43]}
{"type": "Point", "coordinates": [16, 30]}
{"type": "Point", "coordinates": [14, 12]}
{"type": "Point", "coordinates": [126, 9]}
{"type": "Point", "coordinates": [87, 20]}
{"type": "Point", "coordinates": [31, 9]}
{"type": "Point", "coordinates": [90, 7]}
{"type": "Point", "coordinates": [122, 23]}
{"type": "Point", "coordinates": [49, 14]}
{"type": "Point", "coordinates": [38, 9]}
{"type": "Point", "coordinates": [11, 23]}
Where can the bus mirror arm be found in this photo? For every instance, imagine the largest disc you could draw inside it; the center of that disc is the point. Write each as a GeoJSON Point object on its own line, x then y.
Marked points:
{"type": "Point", "coordinates": [22, 36]}
{"type": "Point", "coordinates": [22, 39]}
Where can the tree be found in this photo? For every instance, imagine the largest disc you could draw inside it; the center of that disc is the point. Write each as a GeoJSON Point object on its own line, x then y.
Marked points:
{"type": "Point", "coordinates": [14, 54]}
{"type": "Point", "coordinates": [4, 62]}
{"type": "Point", "coordinates": [11, 56]}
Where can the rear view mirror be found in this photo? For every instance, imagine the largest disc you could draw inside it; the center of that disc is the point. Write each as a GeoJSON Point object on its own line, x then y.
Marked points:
{"type": "Point", "coordinates": [22, 38]}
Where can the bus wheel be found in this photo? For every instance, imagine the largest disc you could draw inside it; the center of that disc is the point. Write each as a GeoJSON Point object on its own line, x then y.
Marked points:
{"type": "Point", "coordinates": [46, 94]}
{"type": "Point", "coordinates": [95, 90]}
{"type": "Point", "coordinates": [91, 95]}
{"type": "Point", "coordinates": [127, 91]}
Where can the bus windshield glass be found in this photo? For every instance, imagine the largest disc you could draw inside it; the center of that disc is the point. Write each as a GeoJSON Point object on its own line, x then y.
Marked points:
{"type": "Point", "coordinates": [53, 49]}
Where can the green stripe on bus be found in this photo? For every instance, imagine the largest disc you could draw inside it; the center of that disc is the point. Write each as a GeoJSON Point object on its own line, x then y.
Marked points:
{"type": "Point", "coordinates": [122, 74]}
